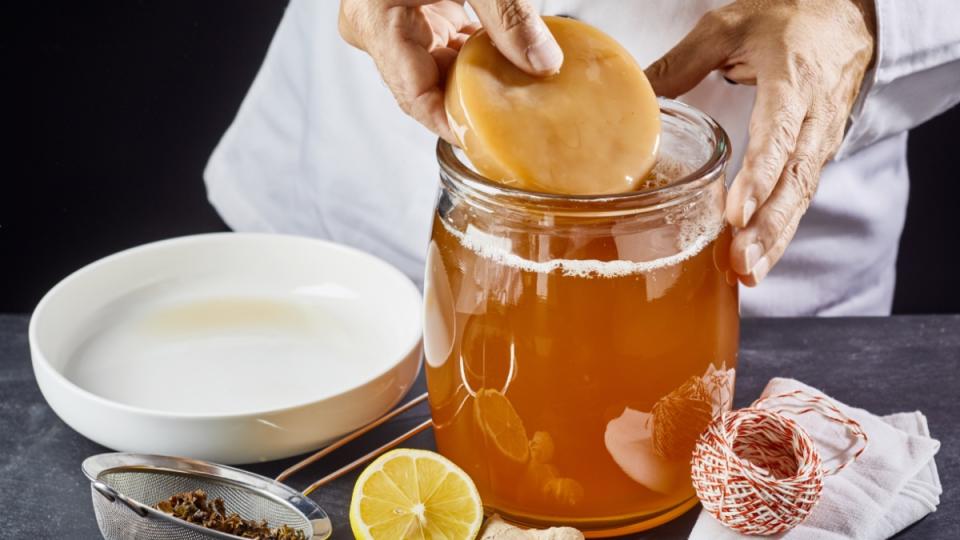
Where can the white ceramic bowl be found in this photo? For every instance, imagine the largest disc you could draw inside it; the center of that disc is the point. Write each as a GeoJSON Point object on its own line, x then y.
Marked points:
{"type": "Point", "coordinates": [232, 348]}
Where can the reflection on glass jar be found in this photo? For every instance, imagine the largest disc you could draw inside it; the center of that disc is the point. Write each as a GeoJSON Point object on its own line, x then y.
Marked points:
{"type": "Point", "coordinates": [576, 346]}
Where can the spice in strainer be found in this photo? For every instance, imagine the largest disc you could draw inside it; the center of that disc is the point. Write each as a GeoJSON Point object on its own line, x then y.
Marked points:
{"type": "Point", "coordinates": [193, 507]}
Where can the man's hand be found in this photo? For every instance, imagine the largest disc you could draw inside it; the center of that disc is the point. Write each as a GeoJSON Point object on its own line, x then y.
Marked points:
{"type": "Point", "coordinates": [414, 42]}
{"type": "Point", "coordinates": [807, 59]}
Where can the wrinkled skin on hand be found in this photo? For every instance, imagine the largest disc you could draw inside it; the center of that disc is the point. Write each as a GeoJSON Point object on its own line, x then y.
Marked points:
{"type": "Point", "coordinates": [807, 59]}
{"type": "Point", "coordinates": [414, 43]}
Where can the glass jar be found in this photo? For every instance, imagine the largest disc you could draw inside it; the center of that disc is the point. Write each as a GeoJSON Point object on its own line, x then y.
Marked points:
{"type": "Point", "coordinates": [576, 346]}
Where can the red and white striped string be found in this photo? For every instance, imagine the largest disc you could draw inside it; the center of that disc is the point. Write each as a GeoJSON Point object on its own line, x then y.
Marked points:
{"type": "Point", "coordinates": [757, 471]}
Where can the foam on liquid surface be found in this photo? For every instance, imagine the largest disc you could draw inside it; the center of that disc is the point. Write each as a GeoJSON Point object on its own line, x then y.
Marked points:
{"type": "Point", "coordinates": [694, 234]}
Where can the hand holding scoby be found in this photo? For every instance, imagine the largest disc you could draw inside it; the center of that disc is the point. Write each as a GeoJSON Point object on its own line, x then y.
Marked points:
{"type": "Point", "coordinates": [414, 42]}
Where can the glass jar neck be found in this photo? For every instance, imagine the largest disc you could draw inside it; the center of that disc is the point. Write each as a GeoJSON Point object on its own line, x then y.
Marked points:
{"type": "Point", "coordinates": [689, 138]}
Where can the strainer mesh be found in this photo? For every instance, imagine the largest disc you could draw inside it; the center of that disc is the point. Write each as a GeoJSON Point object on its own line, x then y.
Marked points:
{"type": "Point", "coordinates": [116, 521]}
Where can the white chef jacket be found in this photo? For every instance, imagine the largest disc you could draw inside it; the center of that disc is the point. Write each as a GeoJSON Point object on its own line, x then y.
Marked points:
{"type": "Point", "coordinates": [320, 148]}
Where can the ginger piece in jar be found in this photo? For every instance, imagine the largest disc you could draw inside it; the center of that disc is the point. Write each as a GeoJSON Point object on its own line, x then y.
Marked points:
{"type": "Point", "coordinates": [592, 128]}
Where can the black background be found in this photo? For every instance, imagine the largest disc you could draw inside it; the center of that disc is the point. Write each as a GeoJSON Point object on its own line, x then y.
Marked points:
{"type": "Point", "coordinates": [112, 109]}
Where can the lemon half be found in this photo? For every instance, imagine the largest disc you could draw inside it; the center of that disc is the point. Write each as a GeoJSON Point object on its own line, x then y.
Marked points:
{"type": "Point", "coordinates": [414, 494]}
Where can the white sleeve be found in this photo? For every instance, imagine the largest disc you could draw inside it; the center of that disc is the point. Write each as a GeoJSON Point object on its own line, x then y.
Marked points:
{"type": "Point", "coordinates": [255, 169]}
{"type": "Point", "coordinates": [916, 75]}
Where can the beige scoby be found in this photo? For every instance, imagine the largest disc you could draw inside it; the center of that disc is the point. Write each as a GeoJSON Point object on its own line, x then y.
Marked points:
{"type": "Point", "coordinates": [591, 128]}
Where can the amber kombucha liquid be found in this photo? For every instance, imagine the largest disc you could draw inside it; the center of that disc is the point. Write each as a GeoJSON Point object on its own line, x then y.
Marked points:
{"type": "Point", "coordinates": [576, 396]}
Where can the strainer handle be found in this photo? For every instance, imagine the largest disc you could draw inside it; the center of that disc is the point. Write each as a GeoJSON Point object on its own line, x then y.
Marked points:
{"type": "Point", "coordinates": [296, 467]}
{"type": "Point", "coordinates": [113, 495]}
{"type": "Point", "coordinates": [356, 463]}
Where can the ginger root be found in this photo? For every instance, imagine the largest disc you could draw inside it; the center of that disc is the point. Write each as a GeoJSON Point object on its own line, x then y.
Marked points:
{"type": "Point", "coordinates": [497, 529]}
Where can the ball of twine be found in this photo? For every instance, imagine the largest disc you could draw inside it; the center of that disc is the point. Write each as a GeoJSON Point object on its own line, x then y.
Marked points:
{"type": "Point", "coordinates": [679, 417]}
{"type": "Point", "coordinates": [757, 471]}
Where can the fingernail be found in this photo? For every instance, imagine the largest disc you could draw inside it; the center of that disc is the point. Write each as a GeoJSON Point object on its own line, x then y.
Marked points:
{"type": "Point", "coordinates": [545, 56]}
{"type": "Point", "coordinates": [732, 278]}
{"type": "Point", "coordinates": [760, 270]}
{"type": "Point", "coordinates": [751, 256]}
{"type": "Point", "coordinates": [748, 208]}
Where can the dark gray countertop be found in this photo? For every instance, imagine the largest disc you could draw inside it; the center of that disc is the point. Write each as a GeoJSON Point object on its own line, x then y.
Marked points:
{"type": "Point", "coordinates": [884, 365]}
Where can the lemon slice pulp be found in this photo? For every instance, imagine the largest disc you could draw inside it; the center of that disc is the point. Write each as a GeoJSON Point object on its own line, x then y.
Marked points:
{"type": "Point", "coordinates": [502, 425]}
{"type": "Point", "coordinates": [414, 494]}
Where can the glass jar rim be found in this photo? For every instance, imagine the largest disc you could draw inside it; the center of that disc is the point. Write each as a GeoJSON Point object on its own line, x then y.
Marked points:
{"type": "Point", "coordinates": [464, 179]}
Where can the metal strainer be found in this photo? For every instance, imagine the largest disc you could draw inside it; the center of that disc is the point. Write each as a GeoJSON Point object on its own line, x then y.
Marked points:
{"type": "Point", "coordinates": [124, 487]}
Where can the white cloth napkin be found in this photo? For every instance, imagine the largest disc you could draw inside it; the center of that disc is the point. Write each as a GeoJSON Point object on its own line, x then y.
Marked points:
{"type": "Point", "coordinates": [891, 485]}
